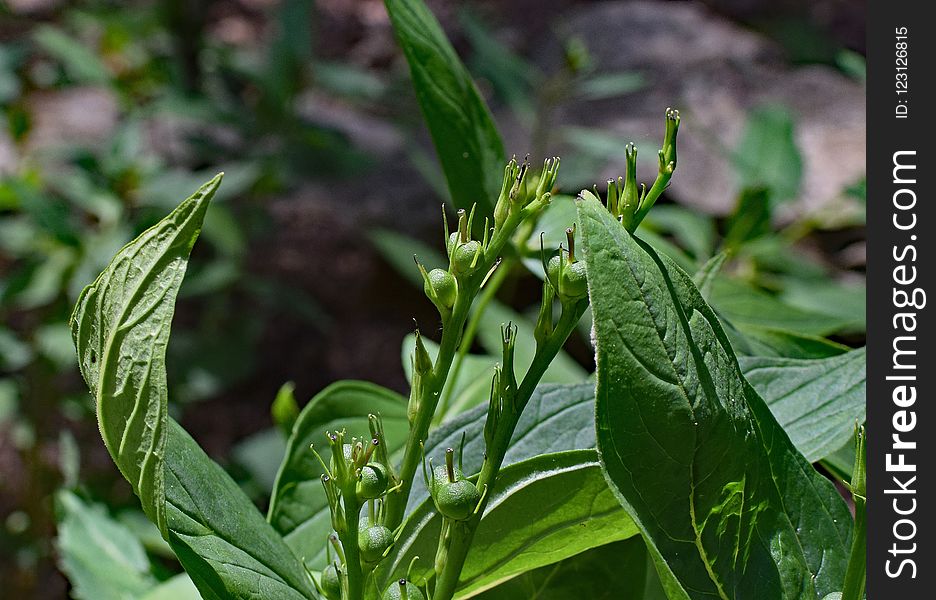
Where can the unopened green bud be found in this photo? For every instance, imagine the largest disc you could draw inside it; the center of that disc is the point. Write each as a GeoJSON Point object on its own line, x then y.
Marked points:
{"type": "Point", "coordinates": [331, 582]}
{"type": "Point", "coordinates": [441, 288]}
{"type": "Point", "coordinates": [372, 482]}
{"type": "Point", "coordinates": [403, 590]}
{"type": "Point", "coordinates": [373, 541]}
{"type": "Point", "coordinates": [465, 257]}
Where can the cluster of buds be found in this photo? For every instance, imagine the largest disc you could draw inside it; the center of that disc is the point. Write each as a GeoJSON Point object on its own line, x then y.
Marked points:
{"type": "Point", "coordinates": [359, 473]}
{"type": "Point", "coordinates": [623, 199]}
{"type": "Point", "coordinates": [517, 191]}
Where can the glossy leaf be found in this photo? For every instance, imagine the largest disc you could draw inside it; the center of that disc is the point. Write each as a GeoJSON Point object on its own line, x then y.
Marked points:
{"type": "Point", "coordinates": [816, 401]}
{"type": "Point", "coordinates": [690, 449]}
{"type": "Point", "coordinates": [298, 507]}
{"type": "Point", "coordinates": [465, 137]}
{"type": "Point", "coordinates": [566, 508]}
{"type": "Point", "coordinates": [121, 328]}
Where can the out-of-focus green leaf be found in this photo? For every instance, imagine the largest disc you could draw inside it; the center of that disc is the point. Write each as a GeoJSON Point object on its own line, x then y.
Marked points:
{"type": "Point", "coordinates": [464, 133]}
{"type": "Point", "coordinates": [768, 156]}
{"type": "Point", "coordinates": [750, 219]}
{"type": "Point", "coordinates": [81, 63]}
{"type": "Point", "coordinates": [102, 559]}
{"type": "Point", "coordinates": [179, 587]}
{"type": "Point", "coordinates": [285, 410]}
{"type": "Point", "coordinates": [744, 305]}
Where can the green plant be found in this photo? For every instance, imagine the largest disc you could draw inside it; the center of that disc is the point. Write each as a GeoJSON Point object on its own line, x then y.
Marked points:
{"type": "Point", "coordinates": [671, 461]}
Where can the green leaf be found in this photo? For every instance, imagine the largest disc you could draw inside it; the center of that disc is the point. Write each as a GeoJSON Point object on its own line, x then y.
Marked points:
{"type": "Point", "coordinates": [610, 572]}
{"type": "Point", "coordinates": [221, 539]}
{"type": "Point", "coordinates": [768, 156]}
{"type": "Point", "coordinates": [102, 558]}
{"type": "Point", "coordinates": [179, 587]}
{"type": "Point", "coordinates": [816, 401]}
{"type": "Point", "coordinates": [744, 305]}
{"type": "Point", "coordinates": [566, 508]}
{"type": "Point", "coordinates": [761, 341]}
{"type": "Point", "coordinates": [465, 137]}
{"type": "Point", "coordinates": [299, 508]}
{"type": "Point", "coordinates": [120, 327]}
{"type": "Point", "coordinates": [692, 452]}
{"type": "Point", "coordinates": [81, 63]}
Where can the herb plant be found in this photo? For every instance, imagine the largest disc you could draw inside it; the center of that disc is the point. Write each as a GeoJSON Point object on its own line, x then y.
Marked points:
{"type": "Point", "coordinates": [385, 497]}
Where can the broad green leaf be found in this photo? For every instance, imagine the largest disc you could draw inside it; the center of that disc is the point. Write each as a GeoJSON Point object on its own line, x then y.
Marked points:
{"type": "Point", "coordinates": [690, 449]}
{"type": "Point", "coordinates": [616, 571]}
{"type": "Point", "coordinates": [817, 401]}
{"type": "Point", "coordinates": [102, 558]}
{"type": "Point", "coordinates": [120, 327]}
{"type": "Point", "coordinates": [221, 539]}
{"type": "Point", "coordinates": [298, 507]}
{"type": "Point", "coordinates": [465, 137]}
{"type": "Point", "coordinates": [542, 510]}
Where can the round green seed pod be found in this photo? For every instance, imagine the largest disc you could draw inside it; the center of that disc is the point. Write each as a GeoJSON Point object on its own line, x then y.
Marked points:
{"type": "Point", "coordinates": [440, 477]}
{"type": "Point", "coordinates": [453, 241]}
{"type": "Point", "coordinates": [331, 583]}
{"type": "Point", "coordinates": [403, 590]}
{"type": "Point", "coordinates": [442, 284]}
{"type": "Point", "coordinates": [574, 281]}
{"type": "Point", "coordinates": [458, 500]}
{"type": "Point", "coordinates": [373, 542]}
{"type": "Point", "coordinates": [463, 256]}
{"type": "Point", "coordinates": [373, 481]}
{"type": "Point", "coordinates": [567, 279]}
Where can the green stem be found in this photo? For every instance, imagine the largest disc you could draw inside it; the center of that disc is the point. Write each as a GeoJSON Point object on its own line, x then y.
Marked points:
{"type": "Point", "coordinates": [490, 290]}
{"type": "Point", "coordinates": [463, 535]}
{"type": "Point", "coordinates": [349, 543]}
{"type": "Point", "coordinates": [855, 573]}
{"type": "Point", "coordinates": [452, 329]}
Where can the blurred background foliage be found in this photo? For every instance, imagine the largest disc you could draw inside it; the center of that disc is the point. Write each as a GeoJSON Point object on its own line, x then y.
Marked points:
{"type": "Point", "coordinates": [112, 112]}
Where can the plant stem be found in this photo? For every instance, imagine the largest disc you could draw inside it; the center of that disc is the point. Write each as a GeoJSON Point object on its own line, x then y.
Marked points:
{"type": "Point", "coordinates": [349, 543]}
{"type": "Point", "coordinates": [452, 330]}
{"type": "Point", "coordinates": [463, 535]}
{"type": "Point", "coordinates": [490, 290]}
{"type": "Point", "coordinates": [855, 573]}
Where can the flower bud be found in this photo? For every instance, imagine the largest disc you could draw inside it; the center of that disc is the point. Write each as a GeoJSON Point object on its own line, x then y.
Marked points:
{"type": "Point", "coordinates": [331, 582]}
{"type": "Point", "coordinates": [441, 288]}
{"type": "Point", "coordinates": [403, 590]}
{"type": "Point", "coordinates": [373, 542]}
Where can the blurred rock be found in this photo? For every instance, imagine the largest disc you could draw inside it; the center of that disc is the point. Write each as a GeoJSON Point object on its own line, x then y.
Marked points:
{"type": "Point", "coordinates": [715, 72]}
{"type": "Point", "coordinates": [75, 115]}
{"type": "Point", "coordinates": [29, 7]}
